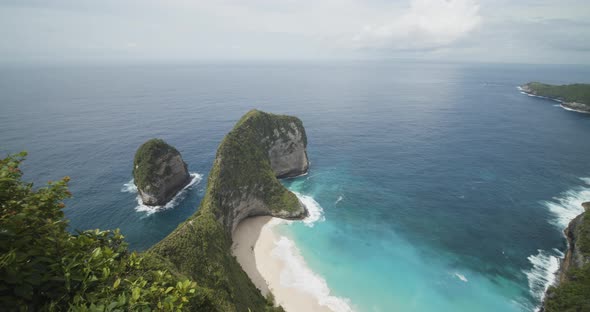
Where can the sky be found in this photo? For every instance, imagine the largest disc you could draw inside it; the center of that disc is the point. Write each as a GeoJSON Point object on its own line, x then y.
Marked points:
{"type": "Point", "coordinates": [97, 31]}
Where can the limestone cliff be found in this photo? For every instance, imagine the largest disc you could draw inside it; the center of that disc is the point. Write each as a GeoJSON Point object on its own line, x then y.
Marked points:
{"type": "Point", "coordinates": [159, 172]}
{"type": "Point", "coordinates": [572, 293]}
{"type": "Point", "coordinates": [260, 148]}
{"type": "Point", "coordinates": [242, 183]}
{"type": "Point", "coordinates": [574, 257]}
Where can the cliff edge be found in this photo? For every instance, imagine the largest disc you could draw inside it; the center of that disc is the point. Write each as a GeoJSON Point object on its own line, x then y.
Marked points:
{"type": "Point", "coordinates": [572, 293]}
{"type": "Point", "coordinates": [159, 172]}
{"type": "Point", "coordinates": [242, 183]}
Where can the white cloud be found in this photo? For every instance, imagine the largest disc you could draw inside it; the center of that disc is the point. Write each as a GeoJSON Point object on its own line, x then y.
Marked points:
{"type": "Point", "coordinates": [144, 30]}
{"type": "Point", "coordinates": [426, 25]}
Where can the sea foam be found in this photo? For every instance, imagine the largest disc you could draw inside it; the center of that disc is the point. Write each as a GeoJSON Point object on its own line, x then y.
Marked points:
{"type": "Point", "coordinates": [461, 277]}
{"type": "Point", "coordinates": [568, 205]}
{"type": "Point", "coordinates": [543, 273]}
{"type": "Point", "coordinates": [563, 208]}
{"type": "Point", "coordinates": [130, 187]}
{"type": "Point", "coordinates": [315, 211]}
{"type": "Point", "coordinates": [296, 274]}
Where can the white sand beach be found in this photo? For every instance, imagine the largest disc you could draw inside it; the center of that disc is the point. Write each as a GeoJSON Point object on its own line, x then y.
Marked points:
{"type": "Point", "coordinates": [254, 242]}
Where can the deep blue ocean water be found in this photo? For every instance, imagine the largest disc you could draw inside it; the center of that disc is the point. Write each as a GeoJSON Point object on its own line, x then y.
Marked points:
{"type": "Point", "coordinates": [442, 186]}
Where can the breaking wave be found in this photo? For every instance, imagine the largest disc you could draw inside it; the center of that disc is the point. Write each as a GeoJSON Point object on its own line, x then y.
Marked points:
{"type": "Point", "coordinates": [316, 212]}
{"type": "Point", "coordinates": [545, 264]}
{"type": "Point", "coordinates": [296, 274]}
{"type": "Point", "coordinates": [130, 187]}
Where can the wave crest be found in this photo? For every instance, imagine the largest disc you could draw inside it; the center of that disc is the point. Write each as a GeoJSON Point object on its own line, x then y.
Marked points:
{"type": "Point", "coordinates": [316, 212]}
{"type": "Point", "coordinates": [296, 274]}
{"type": "Point", "coordinates": [543, 273]}
{"type": "Point", "coordinates": [545, 264]}
{"type": "Point", "coordinates": [568, 205]}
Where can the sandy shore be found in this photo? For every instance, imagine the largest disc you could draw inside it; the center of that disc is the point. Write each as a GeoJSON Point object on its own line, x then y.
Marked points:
{"type": "Point", "coordinates": [254, 242]}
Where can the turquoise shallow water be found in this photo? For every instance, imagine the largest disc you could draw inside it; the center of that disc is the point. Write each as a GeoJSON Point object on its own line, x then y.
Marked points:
{"type": "Point", "coordinates": [443, 188]}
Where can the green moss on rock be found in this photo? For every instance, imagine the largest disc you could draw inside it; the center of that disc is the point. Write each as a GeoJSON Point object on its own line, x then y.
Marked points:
{"type": "Point", "coordinates": [146, 160]}
{"type": "Point", "coordinates": [159, 172]}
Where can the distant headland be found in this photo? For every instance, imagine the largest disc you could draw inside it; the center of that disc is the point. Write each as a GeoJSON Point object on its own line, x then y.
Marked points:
{"type": "Point", "coordinates": [574, 97]}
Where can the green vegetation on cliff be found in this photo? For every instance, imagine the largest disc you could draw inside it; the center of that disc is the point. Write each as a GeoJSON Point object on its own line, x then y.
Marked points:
{"type": "Point", "coordinates": [242, 165]}
{"type": "Point", "coordinates": [45, 268]}
{"type": "Point", "coordinates": [201, 246]}
{"type": "Point", "coordinates": [579, 93]}
{"type": "Point", "coordinates": [147, 160]}
{"type": "Point", "coordinates": [573, 294]}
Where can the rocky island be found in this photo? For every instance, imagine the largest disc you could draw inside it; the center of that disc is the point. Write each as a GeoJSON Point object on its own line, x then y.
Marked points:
{"type": "Point", "coordinates": [575, 97]}
{"type": "Point", "coordinates": [159, 172]}
{"type": "Point", "coordinates": [572, 293]}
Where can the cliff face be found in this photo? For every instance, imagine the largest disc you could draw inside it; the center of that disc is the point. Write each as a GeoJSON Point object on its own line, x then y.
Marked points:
{"type": "Point", "coordinates": [260, 148]}
{"type": "Point", "coordinates": [574, 258]}
{"type": "Point", "coordinates": [242, 183]}
{"type": "Point", "coordinates": [573, 289]}
{"type": "Point", "coordinates": [159, 172]}
{"type": "Point", "coordinates": [287, 153]}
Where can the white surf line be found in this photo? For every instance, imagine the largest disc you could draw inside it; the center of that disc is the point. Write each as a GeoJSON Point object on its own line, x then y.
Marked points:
{"type": "Point", "coordinates": [130, 187]}
{"type": "Point", "coordinates": [296, 273]}
{"type": "Point", "coordinates": [564, 208]}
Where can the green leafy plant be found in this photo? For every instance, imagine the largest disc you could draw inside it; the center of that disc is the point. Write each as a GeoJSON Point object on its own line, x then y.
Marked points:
{"type": "Point", "coordinates": [45, 268]}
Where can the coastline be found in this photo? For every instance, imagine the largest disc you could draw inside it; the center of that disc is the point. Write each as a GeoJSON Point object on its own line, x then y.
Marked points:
{"type": "Point", "coordinates": [256, 247]}
{"type": "Point", "coordinates": [565, 208]}
{"type": "Point", "coordinates": [568, 106]}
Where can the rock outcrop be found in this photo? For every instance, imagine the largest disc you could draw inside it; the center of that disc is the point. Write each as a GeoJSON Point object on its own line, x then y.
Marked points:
{"type": "Point", "coordinates": [574, 257]}
{"type": "Point", "coordinates": [287, 152]}
{"type": "Point", "coordinates": [242, 183]}
{"type": "Point", "coordinates": [261, 148]}
{"type": "Point", "coordinates": [159, 172]}
{"type": "Point", "coordinates": [573, 283]}
{"type": "Point", "coordinates": [578, 107]}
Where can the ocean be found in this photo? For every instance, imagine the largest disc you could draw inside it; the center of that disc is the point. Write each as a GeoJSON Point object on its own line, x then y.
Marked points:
{"type": "Point", "coordinates": [436, 186]}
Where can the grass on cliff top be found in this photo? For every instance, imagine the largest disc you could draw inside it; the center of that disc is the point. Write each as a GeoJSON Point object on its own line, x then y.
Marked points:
{"type": "Point", "coordinates": [573, 295]}
{"type": "Point", "coordinates": [568, 93]}
{"type": "Point", "coordinates": [147, 160]}
{"type": "Point", "coordinates": [201, 246]}
{"type": "Point", "coordinates": [201, 249]}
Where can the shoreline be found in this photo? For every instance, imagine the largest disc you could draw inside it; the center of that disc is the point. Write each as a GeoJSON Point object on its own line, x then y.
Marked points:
{"type": "Point", "coordinates": [565, 105]}
{"type": "Point", "coordinates": [565, 208]}
{"type": "Point", "coordinates": [130, 187]}
{"type": "Point", "coordinates": [256, 247]}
